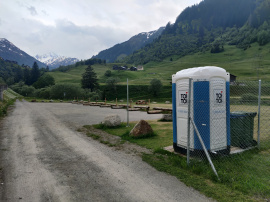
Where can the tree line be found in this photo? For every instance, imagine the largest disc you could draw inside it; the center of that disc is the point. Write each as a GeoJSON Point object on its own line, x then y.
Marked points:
{"type": "Point", "coordinates": [80, 63]}
{"type": "Point", "coordinates": [11, 73]}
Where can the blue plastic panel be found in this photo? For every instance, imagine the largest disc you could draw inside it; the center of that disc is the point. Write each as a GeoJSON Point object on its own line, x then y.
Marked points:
{"type": "Point", "coordinates": [201, 113]}
{"type": "Point", "coordinates": [228, 113]}
{"type": "Point", "coordinates": [174, 113]}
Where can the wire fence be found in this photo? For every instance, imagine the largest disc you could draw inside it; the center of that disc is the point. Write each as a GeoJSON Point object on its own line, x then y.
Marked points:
{"type": "Point", "coordinates": [228, 135]}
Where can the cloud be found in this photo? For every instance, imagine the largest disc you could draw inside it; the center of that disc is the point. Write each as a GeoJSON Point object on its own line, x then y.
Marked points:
{"type": "Point", "coordinates": [32, 10]}
{"type": "Point", "coordinates": [82, 28]}
{"type": "Point", "coordinates": [66, 38]}
{"type": "Point", "coordinates": [45, 13]}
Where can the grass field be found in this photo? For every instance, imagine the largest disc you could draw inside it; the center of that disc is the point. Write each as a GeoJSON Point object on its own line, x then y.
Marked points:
{"type": "Point", "coordinates": [251, 64]}
{"type": "Point", "coordinates": [243, 177]}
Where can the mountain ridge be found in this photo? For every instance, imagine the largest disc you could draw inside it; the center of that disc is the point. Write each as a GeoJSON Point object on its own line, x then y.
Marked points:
{"type": "Point", "coordinates": [119, 51]}
{"type": "Point", "coordinates": [9, 51]}
{"type": "Point", "coordinates": [54, 61]}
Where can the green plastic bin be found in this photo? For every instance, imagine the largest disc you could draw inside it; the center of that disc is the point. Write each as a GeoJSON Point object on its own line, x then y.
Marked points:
{"type": "Point", "coordinates": [242, 126]}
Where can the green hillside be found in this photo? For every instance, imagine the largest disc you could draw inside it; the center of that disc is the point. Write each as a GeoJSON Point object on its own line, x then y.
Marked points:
{"type": "Point", "coordinates": [208, 27]}
{"type": "Point", "coordinates": [250, 64]}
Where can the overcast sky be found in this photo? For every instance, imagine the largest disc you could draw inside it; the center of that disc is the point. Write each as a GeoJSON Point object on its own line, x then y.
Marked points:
{"type": "Point", "coordinates": [82, 28]}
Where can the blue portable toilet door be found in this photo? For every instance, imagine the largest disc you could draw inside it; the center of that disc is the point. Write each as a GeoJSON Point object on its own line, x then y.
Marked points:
{"type": "Point", "coordinates": [182, 88]}
{"type": "Point", "coordinates": [218, 120]}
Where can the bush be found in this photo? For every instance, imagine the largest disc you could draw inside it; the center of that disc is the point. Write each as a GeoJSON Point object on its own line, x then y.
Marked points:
{"type": "Point", "coordinates": [155, 87]}
{"type": "Point", "coordinates": [216, 48]}
{"type": "Point", "coordinates": [66, 91]}
{"type": "Point", "coordinates": [263, 37]}
{"type": "Point", "coordinates": [95, 95]}
{"type": "Point", "coordinates": [108, 73]}
{"type": "Point", "coordinates": [43, 93]}
{"type": "Point", "coordinates": [17, 87]}
{"type": "Point", "coordinates": [27, 91]}
{"type": "Point", "coordinates": [44, 81]}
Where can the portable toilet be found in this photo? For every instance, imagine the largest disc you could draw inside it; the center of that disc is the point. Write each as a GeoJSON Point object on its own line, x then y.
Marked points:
{"type": "Point", "coordinates": [210, 109]}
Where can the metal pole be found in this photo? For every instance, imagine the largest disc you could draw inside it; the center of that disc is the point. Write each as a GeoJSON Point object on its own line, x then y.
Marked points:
{"type": "Point", "coordinates": [204, 148]}
{"type": "Point", "coordinates": [259, 112]}
{"type": "Point", "coordinates": [127, 106]}
{"type": "Point", "coordinates": [188, 125]}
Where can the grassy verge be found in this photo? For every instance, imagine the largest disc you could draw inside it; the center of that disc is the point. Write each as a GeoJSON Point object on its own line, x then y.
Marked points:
{"type": "Point", "coordinates": [9, 98]}
{"type": "Point", "coordinates": [160, 140]}
{"type": "Point", "coordinates": [4, 106]}
{"type": "Point", "coordinates": [243, 177]}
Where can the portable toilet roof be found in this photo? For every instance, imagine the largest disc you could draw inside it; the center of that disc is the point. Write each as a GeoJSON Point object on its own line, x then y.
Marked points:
{"type": "Point", "coordinates": [202, 73]}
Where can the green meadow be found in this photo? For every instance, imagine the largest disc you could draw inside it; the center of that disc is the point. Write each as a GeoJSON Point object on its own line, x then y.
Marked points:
{"type": "Point", "coordinates": [250, 64]}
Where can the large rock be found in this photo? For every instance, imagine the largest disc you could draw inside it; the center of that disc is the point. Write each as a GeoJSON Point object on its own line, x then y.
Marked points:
{"type": "Point", "coordinates": [141, 129]}
{"type": "Point", "coordinates": [167, 117]}
{"type": "Point", "coordinates": [112, 120]}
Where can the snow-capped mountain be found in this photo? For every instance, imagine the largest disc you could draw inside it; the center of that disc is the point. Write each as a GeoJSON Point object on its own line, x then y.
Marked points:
{"type": "Point", "coordinates": [53, 60]}
{"type": "Point", "coordinates": [136, 42]}
{"type": "Point", "coordinates": [8, 51]}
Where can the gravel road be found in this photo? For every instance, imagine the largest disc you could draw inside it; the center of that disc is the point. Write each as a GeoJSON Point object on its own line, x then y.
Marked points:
{"type": "Point", "coordinates": [44, 158]}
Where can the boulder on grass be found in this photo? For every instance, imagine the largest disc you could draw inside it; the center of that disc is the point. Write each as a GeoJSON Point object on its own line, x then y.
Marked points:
{"type": "Point", "coordinates": [167, 117]}
{"type": "Point", "coordinates": [112, 120]}
{"type": "Point", "coordinates": [141, 129]}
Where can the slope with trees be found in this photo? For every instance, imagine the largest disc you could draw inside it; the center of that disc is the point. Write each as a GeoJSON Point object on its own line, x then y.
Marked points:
{"type": "Point", "coordinates": [208, 26]}
{"type": "Point", "coordinates": [136, 42]}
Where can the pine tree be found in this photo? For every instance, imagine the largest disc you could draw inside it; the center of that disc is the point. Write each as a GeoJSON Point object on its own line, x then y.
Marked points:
{"type": "Point", "coordinates": [26, 76]}
{"type": "Point", "coordinates": [35, 73]}
{"type": "Point", "coordinates": [89, 79]}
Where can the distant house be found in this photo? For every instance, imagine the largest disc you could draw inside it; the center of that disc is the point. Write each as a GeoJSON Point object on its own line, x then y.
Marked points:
{"type": "Point", "coordinates": [232, 78]}
{"type": "Point", "coordinates": [140, 68]}
{"type": "Point", "coordinates": [133, 68]}
{"type": "Point", "coordinates": [116, 67]}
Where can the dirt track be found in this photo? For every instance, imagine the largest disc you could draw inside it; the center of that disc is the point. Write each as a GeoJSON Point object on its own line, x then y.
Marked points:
{"type": "Point", "coordinates": [44, 158]}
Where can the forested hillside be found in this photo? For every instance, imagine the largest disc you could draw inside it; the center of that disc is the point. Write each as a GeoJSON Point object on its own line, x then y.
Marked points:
{"type": "Point", "coordinates": [11, 72]}
{"type": "Point", "coordinates": [209, 26]}
{"type": "Point", "coordinates": [119, 51]}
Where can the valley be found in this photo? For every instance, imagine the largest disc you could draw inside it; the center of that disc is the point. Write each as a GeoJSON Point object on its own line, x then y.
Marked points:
{"type": "Point", "coordinates": [251, 64]}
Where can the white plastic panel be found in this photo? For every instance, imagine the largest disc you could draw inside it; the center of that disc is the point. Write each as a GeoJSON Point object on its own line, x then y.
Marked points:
{"type": "Point", "coordinates": [218, 124]}
{"type": "Point", "coordinates": [203, 73]}
{"type": "Point", "coordinates": [182, 88]}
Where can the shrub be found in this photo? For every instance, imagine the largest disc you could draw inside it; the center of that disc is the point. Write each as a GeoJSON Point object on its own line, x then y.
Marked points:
{"type": "Point", "coordinates": [27, 91]}
{"type": "Point", "coordinates": [263, 37]}
{"type": "Point", "coordinates": [67, 91]}
{"type": "Point", "coordinates": [155, 87]}
{"type": "Point", "coordinates": [43, 93]}
{"type": "Point", "coordinates": [44, 81]}
{"type": "Point", "coordinates": [108, 73]}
